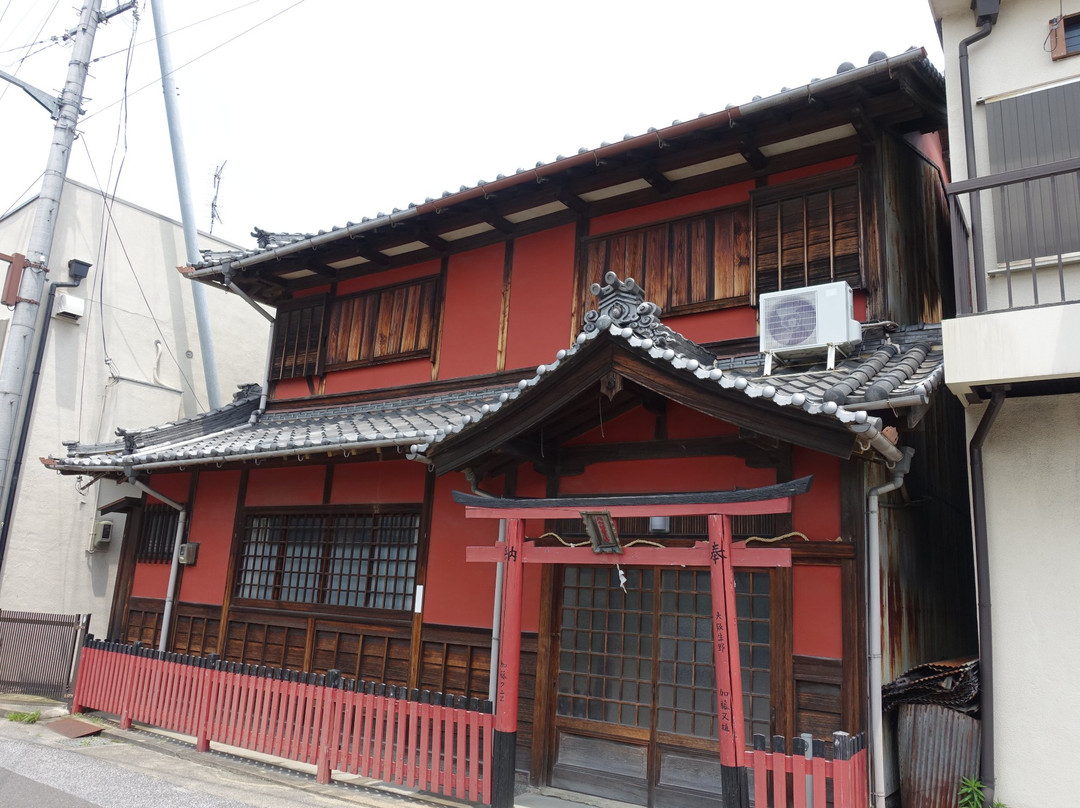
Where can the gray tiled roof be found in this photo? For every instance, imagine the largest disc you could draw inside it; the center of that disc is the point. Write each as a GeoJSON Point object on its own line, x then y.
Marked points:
{"type": "Point", "coordinates": [893, 370]}
{"type": "Point", "coordinates": [269, 242]}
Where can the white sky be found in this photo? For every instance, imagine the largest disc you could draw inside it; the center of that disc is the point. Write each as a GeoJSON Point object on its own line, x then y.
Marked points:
{"type": "Point", "coordinates": [327, 111]}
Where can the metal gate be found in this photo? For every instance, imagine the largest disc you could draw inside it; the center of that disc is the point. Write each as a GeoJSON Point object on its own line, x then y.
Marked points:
{"type": "Point", "coordinates": [38, 651]}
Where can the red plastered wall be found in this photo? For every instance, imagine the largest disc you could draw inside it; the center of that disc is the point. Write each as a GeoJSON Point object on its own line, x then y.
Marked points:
{"type": "Point", "coordinates": [658, 476]}
{"type": "Point", "coordinates": [817, 512]}
{"type": "Point", "coordinates": [459, 593]}
{"type": "Point", "coordinates": [810, 171]}
{"type": "Point", "coordinates": [285, 486]}
{"type": "Point", "coordinates": [388, 278]}
{"type": "Point", "coordinates": [374, 377]}
{"type": "Point", "coordinates": [152, 580]}
{"type": "Point", "coordinates": [386, 481]}
{"type": "Point", "coordinates": [470, 328]}
{"type": "Point", "coordinates": [817, 623]}
{"type": "Point", "coordinates": [212, 527]}
{"type": "Point", "coordinates": [671, 209]}
{"type": "Point", "coordinates": [541, 293]}
{"type": "Point", "coordinates": [713, 326]}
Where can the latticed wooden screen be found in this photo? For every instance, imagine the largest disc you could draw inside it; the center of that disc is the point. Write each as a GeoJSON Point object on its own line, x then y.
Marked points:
{"type": "Point", "coordinates": [618, 648]}
{"type": "Point", "coordinates": [356, 559]}
{"type": "Point", "coordinates": [808, 233]}
{"type": "Point", "coordinates": [685, 265]}
{"type": "Point", "coordinates": [158, 534]}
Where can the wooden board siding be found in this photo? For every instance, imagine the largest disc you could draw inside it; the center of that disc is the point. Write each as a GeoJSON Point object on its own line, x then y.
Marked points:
{"type": "Point", "coordinates": [818, 703]}
{"type": "Point", "coordinates": [391, 322]}
{"type": "Point", "coordinates": [685, 265]}
{"type": "Point", "coordinates": [196, 629]}
{"type": "Point", "coordinates": [808, 232]}
{"type": "Point", "coordinates": [142, 622]}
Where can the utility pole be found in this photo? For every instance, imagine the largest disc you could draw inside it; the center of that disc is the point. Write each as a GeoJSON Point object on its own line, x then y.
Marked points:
{"type": "Point", "coordinates": [187, 209]}
{"type": "Point", "coordinates": [24, 320]}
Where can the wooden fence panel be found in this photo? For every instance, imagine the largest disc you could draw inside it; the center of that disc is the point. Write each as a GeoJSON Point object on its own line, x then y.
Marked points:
{"type": "Point", "coordinates": [416, 739]}
{"type": "Point", "coordinates": [810, 773]}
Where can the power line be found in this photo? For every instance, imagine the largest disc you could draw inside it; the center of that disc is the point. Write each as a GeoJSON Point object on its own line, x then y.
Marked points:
{"type": "Point", "coordinates": [197, 58]}
{"type": "Point", "coordinates": [44, 22]}
{"type": "Point", "coordinates": [142, 292]}
{"type": "Point", "coordinates": [182, 28]}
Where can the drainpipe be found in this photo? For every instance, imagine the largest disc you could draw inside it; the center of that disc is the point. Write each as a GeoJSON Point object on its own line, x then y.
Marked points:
{"type": "Point", "coordinates": [982, 577]}
{"type": "Point", "coordinates": [231, 285]}
{"type": "Point", "coordinates": [873, 643]}
{"type": "Point", "coordinates": [77, 270]}
{"type": "Point", "coordinates": [496, 612]}
{"type": "Point", "coordinates": [174, 569]}
{"type": "Point", "coordinates": [987, 16]}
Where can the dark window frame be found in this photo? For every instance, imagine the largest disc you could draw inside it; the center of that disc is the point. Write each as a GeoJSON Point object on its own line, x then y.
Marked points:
{"type": "Point", "coordinates": [318, 333]}
{"type": "Point", "coordinates": [375, 338]}
{"type": "Point", "coordinates": [157, 534]}
{"type": "Point", "coordinates": [1065, 36]}
{"type": "Point", "coordinates": [342, 559]}
{"type": "Point", "coordinates": [672, 243]}
{"type": "Point", "coordinates": [774, 207]}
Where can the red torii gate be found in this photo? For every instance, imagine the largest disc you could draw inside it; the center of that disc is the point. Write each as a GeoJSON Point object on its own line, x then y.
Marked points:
{"type": "Point", "coordinates": [718, 553]}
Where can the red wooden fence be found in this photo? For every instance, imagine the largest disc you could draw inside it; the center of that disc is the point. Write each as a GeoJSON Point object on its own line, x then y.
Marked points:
{"type": "Point", "coordinates": [433, 742]}
{"type": "Point", "coordinates": [805, 778]}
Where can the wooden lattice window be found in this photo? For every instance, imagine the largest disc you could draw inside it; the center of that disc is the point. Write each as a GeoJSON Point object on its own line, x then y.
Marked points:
{"type": "Point", "coordinates": [298, 331]}
{"type": "Point", "coordinates": [394, 322]}
{"type": "Point", "coordinates": [625, 654]}
{"type": "Point", "coordinates": [157, 534]}
{"type": "Point", "coordinates": [753, 609]}
{"type": "Point", "coordinates": [686, 265]}
{"type": "Point", "coordinates": [362, 559]}
{"type": "Point", "coordinates": [807, 233]}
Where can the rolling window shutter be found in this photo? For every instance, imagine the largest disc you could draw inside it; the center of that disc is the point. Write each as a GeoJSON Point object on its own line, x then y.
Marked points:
{"type": "Point", "coordinates": [1030, 130]}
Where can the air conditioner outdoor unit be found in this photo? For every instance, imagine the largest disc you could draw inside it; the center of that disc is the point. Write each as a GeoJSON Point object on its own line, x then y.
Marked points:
{"type": "Point", "coordinates": [808, 322]}
{"type": "Point", "coordinates": [100, 536]}
{"type": "Point", "coordinates": [69, 307]}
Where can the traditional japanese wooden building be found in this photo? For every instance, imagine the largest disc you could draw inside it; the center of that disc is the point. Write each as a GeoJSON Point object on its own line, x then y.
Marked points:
{"type": "Point", "coordinates": [585, 336]}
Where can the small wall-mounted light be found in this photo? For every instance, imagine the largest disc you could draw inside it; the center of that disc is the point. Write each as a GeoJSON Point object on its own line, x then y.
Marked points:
{"type": "Point", "coordinates": [659, 524]}
{"type": "Point", "coordinates": [78, 269]}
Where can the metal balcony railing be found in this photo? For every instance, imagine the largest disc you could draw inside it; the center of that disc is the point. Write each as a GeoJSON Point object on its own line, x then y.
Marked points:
{"type": "Point", "coordinates": [1024, 245]}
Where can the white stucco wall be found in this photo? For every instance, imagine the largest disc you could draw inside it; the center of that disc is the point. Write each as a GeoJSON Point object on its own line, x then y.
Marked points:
{"type": "Point", "coordinates": [1013, 59]}
{"type": "Point", "coordinates": [1032, 472]}
{"type": "Point", "coordinates": [134, 299]}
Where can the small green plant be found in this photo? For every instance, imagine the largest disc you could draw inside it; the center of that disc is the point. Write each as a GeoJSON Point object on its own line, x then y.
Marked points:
{"type": "Point", "coordinates": [25, 718]}
{"type": "Point", "coordinates": [971, 794]}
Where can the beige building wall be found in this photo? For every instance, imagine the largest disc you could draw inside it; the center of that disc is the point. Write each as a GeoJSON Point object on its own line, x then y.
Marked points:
{"type": "Point", "coordinates": [1032, 453]}
{"type": "Point", "coordinates": [132, 360]}
{"type": "Point", "coordinates": [1032, 470]}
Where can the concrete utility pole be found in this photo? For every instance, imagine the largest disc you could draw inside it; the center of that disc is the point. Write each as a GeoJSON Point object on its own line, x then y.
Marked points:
{"type": "Point", "coordinates": [24, 325]}
{"type": "Point", "coordinates": [187, 210]}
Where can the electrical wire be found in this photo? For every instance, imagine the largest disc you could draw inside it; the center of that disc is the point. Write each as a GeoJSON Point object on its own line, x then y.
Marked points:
{"type": "Point", "coordinates": [177, 30]}
{"type": "Point", "coordinates": [103, 228]}
{"type": "Point", "coordinates": [217, 47]}
{"type": "Point", "coordinates": [15, 72]}
{"type": "Point", "coordinates": [142, 292]}
{"type": "Point", "coordinates": [19, 199]}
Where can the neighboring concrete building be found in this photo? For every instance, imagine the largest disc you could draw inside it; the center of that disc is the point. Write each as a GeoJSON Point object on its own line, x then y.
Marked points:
{"type": "Point", "coordinates": [1015, 364]}
{"type": "Point", "coordinates": [130, 359]}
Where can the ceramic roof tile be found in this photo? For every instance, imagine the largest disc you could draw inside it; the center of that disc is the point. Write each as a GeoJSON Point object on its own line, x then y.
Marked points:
{"type": "Point", "coordinates": [893, 370]}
